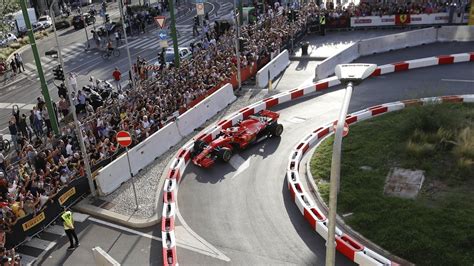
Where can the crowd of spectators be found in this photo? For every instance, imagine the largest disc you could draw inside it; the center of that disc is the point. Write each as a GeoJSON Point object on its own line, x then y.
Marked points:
{"type": "Point", "coordinates": [379, 8]}
{"type": "Point", "coordinates": [43, 163]}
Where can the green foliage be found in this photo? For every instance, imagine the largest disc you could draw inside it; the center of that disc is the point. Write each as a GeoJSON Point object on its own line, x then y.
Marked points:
{"type": "Point", "coordinates": [436, 227]}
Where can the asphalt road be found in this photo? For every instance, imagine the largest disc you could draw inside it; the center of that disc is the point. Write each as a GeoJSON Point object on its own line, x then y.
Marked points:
{"type": "Point", "coordinates": [128, 247]}
{"type": "Point", "coordinates": [26, 87]}
{"type": "Point", "coordinates": [243, 209]}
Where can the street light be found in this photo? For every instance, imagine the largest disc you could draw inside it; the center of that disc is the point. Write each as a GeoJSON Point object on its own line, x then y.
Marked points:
{"type": "Point", "coordinates": [124, 27]}
{"type": "Point", "coordinates": [237, 48]}
{"type": "Point", "coordinates": [74, 115]}
{"type": "Point", "coordinates": [350, 75]}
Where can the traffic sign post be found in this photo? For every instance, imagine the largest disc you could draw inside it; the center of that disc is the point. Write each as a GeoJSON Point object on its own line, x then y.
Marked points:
{"type": "Point", "coordinates": [124, 140]}
{"type": "Point", "coordinates": [345, 129]}
{"type": "Point", "coordinates": [200, 9]}
{"type": "Point", "coordinates": [160, 20]}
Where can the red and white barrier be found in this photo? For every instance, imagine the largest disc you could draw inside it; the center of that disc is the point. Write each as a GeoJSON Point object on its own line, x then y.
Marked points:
{"type": "Point", "coordinates": [306, 207]}
{"type": "Point", "coordinates": [348, 246]}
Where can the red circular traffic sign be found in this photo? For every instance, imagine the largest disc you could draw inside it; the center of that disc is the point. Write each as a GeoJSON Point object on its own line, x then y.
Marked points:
{"type": "Point", "coordinates": [345, 129]}
{"type": "Point", "coordinates": [124, 139]}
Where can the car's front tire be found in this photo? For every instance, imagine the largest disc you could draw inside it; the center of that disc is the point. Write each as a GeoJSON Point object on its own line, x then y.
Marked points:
{"type": "Point", "coordinates": [225, 154]}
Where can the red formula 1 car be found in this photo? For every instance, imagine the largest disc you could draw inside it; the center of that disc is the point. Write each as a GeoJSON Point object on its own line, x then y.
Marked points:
{"type": "Point", "coordinates": [251, 130]}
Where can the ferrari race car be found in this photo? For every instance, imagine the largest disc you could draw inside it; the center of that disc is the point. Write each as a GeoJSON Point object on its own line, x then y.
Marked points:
{"type": "Point", "coordinates": [249, 131]}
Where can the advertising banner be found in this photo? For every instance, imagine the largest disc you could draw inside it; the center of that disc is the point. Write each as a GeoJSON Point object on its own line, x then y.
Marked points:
{"type": "Point", "coordinates": [34, 223]}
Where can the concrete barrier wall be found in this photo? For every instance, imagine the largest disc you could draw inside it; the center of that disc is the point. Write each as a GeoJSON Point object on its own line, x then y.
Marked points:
{"type": "Point", "coordinates": [117, 172]}
{"type": "Point", "coordinates": [393, 42]}
{"type": "Point", "coordinates": [276, 66]}
{"type": "Point", "coordinates": [207, 108]}
{"type": "Point", "coordinates": [456, 33]}
{"type": "Point", "coordinates": [326, 68]}
{"type": "Point", "coordinates": [397, 41]}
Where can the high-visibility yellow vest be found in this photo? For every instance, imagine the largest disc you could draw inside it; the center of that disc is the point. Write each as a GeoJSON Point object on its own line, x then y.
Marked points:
{"type": "Point", "coordinates": [322, 20]}
{"type": "Point", "coordinates": [68, 222]}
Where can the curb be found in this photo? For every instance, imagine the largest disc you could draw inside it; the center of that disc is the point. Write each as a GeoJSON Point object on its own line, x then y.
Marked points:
{"type": "Point", "coordinates": [347, 245]}
{"type": "Point", "coordinates": [339, 221]}
{"type": "Point", "coordinates": [125, 220]}
{"type": "Point", "coordinates": [182, 157]}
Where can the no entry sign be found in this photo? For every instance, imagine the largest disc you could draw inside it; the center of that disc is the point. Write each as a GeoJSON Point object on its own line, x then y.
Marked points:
{"type": "Point", "coordinates": [345, 129]}
{"type": "Point", "coordinates": [124, 139]}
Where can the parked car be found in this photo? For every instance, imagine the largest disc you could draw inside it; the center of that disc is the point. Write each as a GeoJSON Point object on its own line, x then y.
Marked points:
{"type": "Point", "coordinates": [46, 21]}
{"type": "Point", "coordinates": [7, 39]}
{"type": "Point", "coordinates": [78, 21]}
{"type": "Point", "coordinates": [184, 54]}
{"type": "Point", "coordinates": [109, 27]}
{"type": "Point", "coordinates": [37, 26]}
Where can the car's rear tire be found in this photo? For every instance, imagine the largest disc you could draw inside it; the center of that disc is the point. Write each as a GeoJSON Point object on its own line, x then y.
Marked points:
{"type": "Point", "coordinates": [225, 154]}
{"type": "Point", "coordinates": [276, 130]}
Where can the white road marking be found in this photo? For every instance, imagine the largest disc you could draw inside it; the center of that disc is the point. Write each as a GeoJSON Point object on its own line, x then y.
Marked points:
{"type": "Point", "coordinates": [40, 244]}
{"type": "Point", "coordinates": [459, 80]}
{"type": "Point", "coordinates": [56, 229]}
{"type": "Point", "coordinates": [187, 242]}
{"type": "Point", "coordinates": [27, 260]}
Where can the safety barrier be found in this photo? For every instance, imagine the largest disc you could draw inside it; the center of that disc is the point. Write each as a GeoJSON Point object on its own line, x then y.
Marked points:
{"type": "Point", "coordinates": [397, 41]}
{"type": "Point", "coordinates": [406, 20]}
{"type": "Point", "coordinates": [114, 174]}
{"type": "Point", "coordinates": [273, 69]}
{"type": "Point", "coordinates": [326, 68]}
{"type": "Point", "coordinates": [31, 225]}
{"type": "Point", "coordinates": [393, 42]}
{"type": "Point", "coordinates": [346, 245]}
{"type": "Point", "coordinates": [183, 156]}
{"type": "Point", "coordinates": [456, 33]}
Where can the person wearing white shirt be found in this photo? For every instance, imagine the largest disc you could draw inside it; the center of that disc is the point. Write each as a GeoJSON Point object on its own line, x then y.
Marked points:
{"type": "Point", "coordinates": [69, 150]}
{"type": "Point", "coordinates": [73, 81]}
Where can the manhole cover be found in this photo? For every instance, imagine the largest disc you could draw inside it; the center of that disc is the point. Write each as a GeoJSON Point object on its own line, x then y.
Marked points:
{"type": "Point", "coordinates": [404, 183]}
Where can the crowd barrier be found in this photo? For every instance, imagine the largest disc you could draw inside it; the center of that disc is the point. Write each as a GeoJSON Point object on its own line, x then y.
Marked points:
{"type": "Point", "coordinates": [117, 172]}
{"type": "Point", "coordinates": [30, 225]}
{"type": "Point", "coordinates": [183, 156]}
{"type": "Point", "coordinates": [326, 68]}
{"type": "Point", "coordinates": [407, 20]}
{"type": "Point", "coordinates": [393, 42]}
{"type": "Point", "coordinates": [349, 247]}
{"type": "Point", "coordinates": [272, 69]}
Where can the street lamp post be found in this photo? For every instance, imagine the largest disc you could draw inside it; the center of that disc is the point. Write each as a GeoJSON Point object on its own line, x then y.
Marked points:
{"type": "Point", "coordinates": [349, 75]}
{"type": "Point", "coordinates": [122, 17]}
{"type": "Point", "coordinates": [74, 115]}
{"type": "Point", "coordinates": [39, 68]}
{"type": "Point", "coordinates": [237, 48]}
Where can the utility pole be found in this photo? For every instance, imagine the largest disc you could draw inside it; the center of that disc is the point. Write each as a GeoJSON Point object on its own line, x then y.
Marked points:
{"type": "Point", "coordinates": [44, 87]}
{"type": "Point", "coordinates": [241, 12]}
{"type": "Point", "coordinates": [77, 124]}
{"type": "Point", "coordinates": [173, 33]}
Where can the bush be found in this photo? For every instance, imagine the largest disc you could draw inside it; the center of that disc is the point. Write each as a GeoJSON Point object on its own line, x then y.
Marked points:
{"type": "Point", "coordinates": [15, 45]}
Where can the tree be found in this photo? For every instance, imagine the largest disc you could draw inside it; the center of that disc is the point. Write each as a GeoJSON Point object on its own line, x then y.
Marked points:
{"type": "Point", "coordinates": [7, 7]}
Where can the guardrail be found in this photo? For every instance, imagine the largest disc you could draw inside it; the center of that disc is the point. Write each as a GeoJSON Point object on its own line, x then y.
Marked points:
{"type": "Point", "coordinates": [183, 157]}
{"type": "Point", "coordinates": [348, 246]}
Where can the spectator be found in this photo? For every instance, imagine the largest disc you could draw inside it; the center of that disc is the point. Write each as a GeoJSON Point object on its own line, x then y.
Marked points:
{"type": "Point", "coordinates": [19, 62]}
{"type": "Point", "coordinates": [117, 75]}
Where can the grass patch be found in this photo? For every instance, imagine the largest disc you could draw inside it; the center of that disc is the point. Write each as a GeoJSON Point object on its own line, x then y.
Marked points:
{"type": "Point", "coordinates": [436, 228]}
